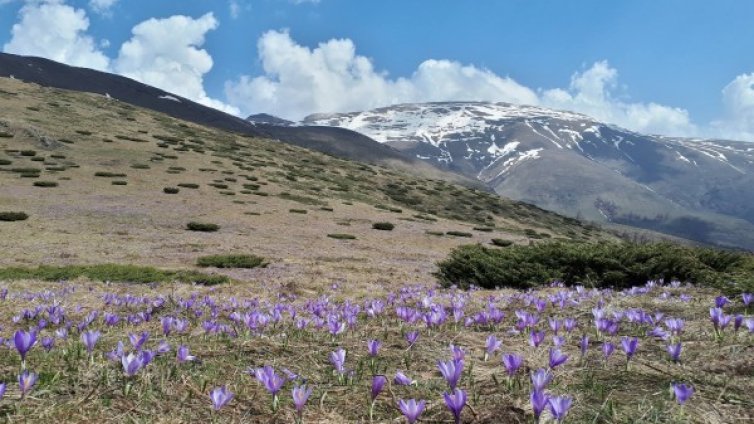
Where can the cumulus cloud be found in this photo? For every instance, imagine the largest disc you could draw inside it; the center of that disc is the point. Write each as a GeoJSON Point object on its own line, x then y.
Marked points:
{"type": "Point", "coordinates": [331, 77]}
{"type": "Point", "coordinates": [167, 53]}
{"type": "Point", "coordinates": [738, 99]}
{"type": "Point", "coordinates": [57, 31]}
{"type": "Point", "coordinates": [102, 7]}
{"type": "Point", "coordinates": [592, 92]}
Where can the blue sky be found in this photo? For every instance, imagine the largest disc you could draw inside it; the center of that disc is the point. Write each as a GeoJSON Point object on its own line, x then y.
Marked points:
{"type": "Point", "coordinates": [679, 67]}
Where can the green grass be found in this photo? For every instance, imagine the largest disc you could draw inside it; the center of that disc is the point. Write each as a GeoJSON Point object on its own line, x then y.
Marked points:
{"type": "Point", "coordinates": [231, 261]}
{"type": "Point", "coordinates": [110, 272]}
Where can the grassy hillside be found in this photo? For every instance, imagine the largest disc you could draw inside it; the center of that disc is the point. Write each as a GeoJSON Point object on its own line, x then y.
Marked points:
{"type": "Point", "coordinates": [106, 182]}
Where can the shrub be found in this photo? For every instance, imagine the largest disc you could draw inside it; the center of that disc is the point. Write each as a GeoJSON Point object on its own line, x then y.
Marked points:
{"type": "Point", "coordinates": [459, 234]}
{"type": "Point", "coordinates": [231, 261]}
{"type": "Point", "coordinates": [119, 183]}
{"type": "Point", "coordinates": [501, 242]}
{"type": "Point", "coordinates": [171, 190]}
{"type": "Point", "coordinates": [5, 162]}
{"type": "Point", "coordinates": [617, 265]}
{"type": "Point", "coordinates": [484, 229]}
{"type": "Point", "coordinates": [202, 226]}
{"type": "Point", "coordinates": [28, 153]}
{"type": "Point", "coordinates": [384, 226]}
{"type": "Point", "coordinates": [341, 236]}
{"type": "Point", "coordinates": [13, 216]}
{"type": "Point", "coordinates": [189, 185]}
{"type": "Point", "coordinates": [108, 174]}
{"type": "Point", "coordinates": [301, 211]}
{"type": "Point", "coordinates": [435, 233]}
{"type": "Point", "coordinates": [326, 208]}
{"type": "Point", "coordinates": [45, 184]}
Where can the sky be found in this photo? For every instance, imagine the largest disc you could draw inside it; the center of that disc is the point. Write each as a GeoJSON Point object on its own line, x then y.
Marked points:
{"type": "Point", "coordinates": [672, 67]}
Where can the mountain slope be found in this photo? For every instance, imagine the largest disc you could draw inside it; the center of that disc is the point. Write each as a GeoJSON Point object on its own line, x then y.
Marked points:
{"type": "Point", "coordinates": [573, 164]}
{"type": "Point", "coordinates": [92, 174]}
{"type": "Point", "coordinates": [338, 142]}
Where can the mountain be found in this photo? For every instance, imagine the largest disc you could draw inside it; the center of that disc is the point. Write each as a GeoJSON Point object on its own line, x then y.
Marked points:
{"type": "Point", "coordinates": [334, 141]}
{"type": "Point", "coordinates": [575, 165]}
{"type": "Point", "coordinates": [265, 118]}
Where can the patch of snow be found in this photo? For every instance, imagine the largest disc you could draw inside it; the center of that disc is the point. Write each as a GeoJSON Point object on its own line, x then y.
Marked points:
{"type": "Point", "coordinates": [169, 97]}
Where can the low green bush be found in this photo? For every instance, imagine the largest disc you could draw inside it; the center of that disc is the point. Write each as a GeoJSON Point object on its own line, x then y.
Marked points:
{"type": "Point", "coordinates": [188, 185]}
{"type": "Point", "coordinates": [13, 216]}
{"type": "Point", "coordinates": [231, 261]}
{"type": "Point", "coordinates": [110, 272]}
{"type": "Point", "coordinates": [383, 226]}
{"type": "Point", "coordinates": [459, 234]}
{"type": "Point", "coordinates": [484, 229]}
{"type": "Point", "coordinates": [435, 233]}
{"type": "Point", "coordinates": [616, 265]}
{"type": "Point", "coordinates": [45, 184]}
{"type": "Point", "coordinates": [501, 242]}
{"type": "Point", "coordinates": [202, 226]}
{"type": "Point", "coordinates": [6, 162]}
{"type": "Point", "coordinates": [341, 236]}
{"type": "Point", "coordinates": [107, 174]}
{"type": "Point", "coordinates": [301, 211]}
{"type": "Point", "coordinates": [171, 190]}
{"type": "Point", "coordinates": [119, 182]}
{"type": "Point", "coordinates": [28, 153]}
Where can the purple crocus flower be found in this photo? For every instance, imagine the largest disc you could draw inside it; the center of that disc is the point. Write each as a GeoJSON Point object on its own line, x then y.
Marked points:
{"type": "Point", "coordinates": [271, 381]}
{"type": "Point", "coordinates": [455, 402]}
{"type": "Point", "coordinates": [629, 345]}
{"type": "Point", "coordinates": [559, 406]}
{"type": "Point", "coordinates": [721, 301]}
{"type": "Point", "coordinates": [26, 381]}
{"type": "Point", "coordinates": [584, 344]}
{"type": "Point", "coordinates": [682, 392]}
{"type": "Point", "coordinates": [512, 363]}
{"type": "Point", "coordinates": [132, 363]}
{"type": "Point", "coordinates": [300, 395]}
{"type": "Point", "coordinates": [749, 323]}
{"type": "Point", "coordinates": [540, 379]}
{"type": "Point", "coordinates": [457, 352]}
{"type": "Point", "coordinates": [538, 400]}
{"type": "Point", "coordinates": [378, 383]}
{"type": "Point", "coordinates": [738, 320]}
{"type": "Point", "coordinates": [163, 347]}
{"type": "Point", "coordinates": [536, 338]}
{"type": "Point", "coordinates": [338, 360]}
{"type": "Point", "coordinates": [411, 409]}
{"type": "Point", "coordinates": [24, 341]}
{"type": "Point", "coordinates": [48, 343]}
{"type": "Point", "coordinates": [412, 337]}
{"type": "Point", "coordinates": [220, 396]}
{"type": "Point", "coordinates": [674, 350]}
{"type": "Point", "coordinates": [451, 371]}
{"type": "Point", "coordinates": [3, 386]}
{"type": "Point", "coordinates": [373, 347]}
{"type": "Point", "coordinates": [492, 346]}
{"type": "Point", "coordinates": [89, 338]}
{"type": "Point", "coordinates": [138, 340]}
{"type": "Point", "coordinates": [401, 379]}
{"type": "Point", "coordinates": [747, 298]}
{"type": "Point", "coordinates": [675, 325]}
{"type": "Point", "coordinates": [182, 354]}
{"type": "Point", "coordinates": [557, 358]}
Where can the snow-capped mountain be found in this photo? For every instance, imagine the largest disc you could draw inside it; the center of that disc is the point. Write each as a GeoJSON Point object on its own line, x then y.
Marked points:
{"type": "Point", "coordinates": [574, 164]}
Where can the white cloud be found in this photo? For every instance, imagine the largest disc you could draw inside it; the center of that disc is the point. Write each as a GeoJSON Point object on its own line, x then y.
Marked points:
{"type": "Point", "coordinates": [592, 92]}
{"type": "Point", "coordinates": [234, 8]}
{"type": "Point", "coordinates": [738, 99]}
{"type": "Point", "coordinates": [166, 53]}
{"type": "Point", "coordinates": [102, 7]}
{"type": "Point", "coordinates": [56, 31]}
{"type": "Point", "coordinates": [333, 78]}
